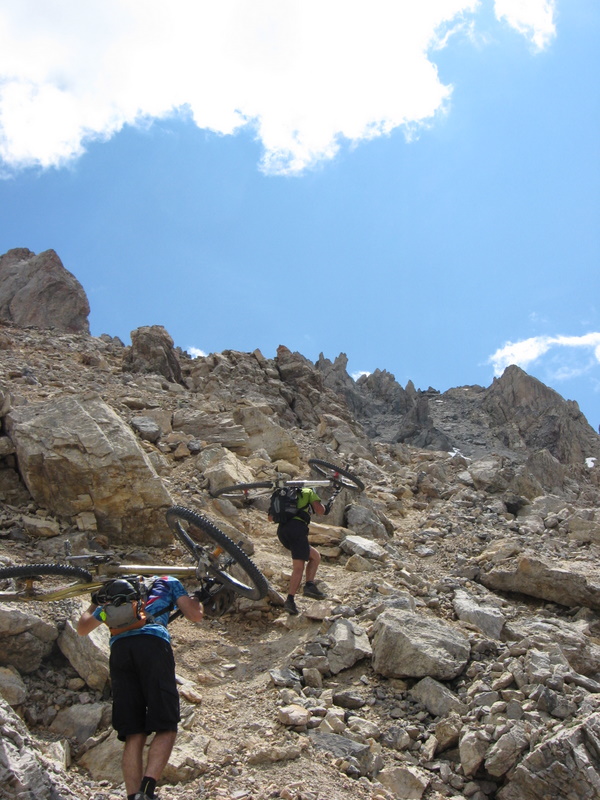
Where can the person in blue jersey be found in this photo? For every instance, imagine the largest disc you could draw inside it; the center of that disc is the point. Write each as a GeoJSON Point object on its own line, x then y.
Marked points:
{"type": "Point", "coordinates": [293, 535]}
{"type": "Point", "coordinates": [142, 671]}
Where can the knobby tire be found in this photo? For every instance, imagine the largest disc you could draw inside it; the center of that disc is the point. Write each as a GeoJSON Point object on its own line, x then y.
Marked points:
{"type": "Point", "coordinates": [240, 491]}
{"type": "Point", "coordinates": [39, 571]}
{"type": "Point", "coordinates": [332, 472]}
{"type": "Point", "coordinates": [257, 586]}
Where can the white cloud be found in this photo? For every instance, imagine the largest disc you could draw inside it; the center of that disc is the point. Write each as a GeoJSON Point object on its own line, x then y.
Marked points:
{"type": "Point", "coordinates": [532, 18]}
{"type": "Point", "coordinates": [356, 375]}
{"type": "Point", "coordinates": [527, 351]}
{"type": "Point", "coordinates": [303, 74]}
{"type": "Point", "coordinates": [195, 352]}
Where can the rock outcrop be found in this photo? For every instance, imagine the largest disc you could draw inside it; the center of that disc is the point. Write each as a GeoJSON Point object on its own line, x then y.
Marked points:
{"type": "Point", "coordinates": [37, 290]}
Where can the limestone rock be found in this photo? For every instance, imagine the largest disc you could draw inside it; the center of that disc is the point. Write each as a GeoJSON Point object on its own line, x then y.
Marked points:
{"type": "Point", "coordinates": [566, 765]}
{"type": "Point", "coordinates": [12, 688]}
{"type": "Point", "coordinates": [213, 429]}
{"type": "Point", "coordinates": [503, 754]}
{"type": "Point", "coordinates": [37, 290]}
{"type": "Point", "coordinates": [293, 715]}
{"type": "Point", "coordinates": [438, 699]}
{"type": "Point", "coordinates": [341, 747]}
{"type": "Point", "coordinates": [473, 747]}
{"type": "Point", "coordinates": [25, 639]}
{"type": "Point", "coordinates": [362, 546]}
{"type": "Point", "coordinates": [350, 644]}
{"type": "Point", "coordinates": [23, 773]}
{"type": "Point", "coordinates": [566, 583]}
{"type": "Point", "coordinates": [78, 722]}
{"type": "Point", "coordinates": [365, 523]}
{"type": "Point", "coordinates": [222, 468]}
{"type": "Point", "coordinates": [152, 351]}
{"type": "Point", "coordinates": [407, 644]}
{"type": "Point", "coordinates": [405, 781]}
{"type": "Point", "coordinates": [539, 417]}
{"type": "Point", "coordinates": [76, 454]}
{"type": "Point", "coordinates": [88, 655]}
{"type": "Point", "coordinates": [264, 433]}
{"type": "Point", "coordinates": [103, 760]}
{"type": "Point", "coordinates": [488, 618]}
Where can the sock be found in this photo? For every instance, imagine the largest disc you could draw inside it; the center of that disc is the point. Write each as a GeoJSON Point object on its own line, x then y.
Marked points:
{"type": "Point", "coordinates": [148, 786]}
{"type": "Point", "coordinates": [290, 597]}
{"type": "Point", "coordinates": [131, 796]}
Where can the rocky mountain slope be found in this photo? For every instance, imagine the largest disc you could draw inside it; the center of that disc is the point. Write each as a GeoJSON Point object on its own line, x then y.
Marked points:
{"type": "Point", "coordinates": [457, 655]}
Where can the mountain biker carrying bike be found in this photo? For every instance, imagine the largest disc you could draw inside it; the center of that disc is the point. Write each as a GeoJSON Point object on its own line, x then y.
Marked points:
{"type": "Point", "coordinates": [142, 672]}
{"type": "Point", "coordinates": [293, 535]}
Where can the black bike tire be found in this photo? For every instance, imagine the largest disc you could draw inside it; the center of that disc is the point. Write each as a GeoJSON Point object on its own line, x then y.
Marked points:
{"type": "Point", "coordinates": [260, 585]}
{"type": "Point", "coordinates": [323, 468]}
{"type": "Point", "coordinates": [240, 488]}
{"type": "Point", "coordinates": [32, 570]}
{"type": "Point", "coordinates": [77, 574]}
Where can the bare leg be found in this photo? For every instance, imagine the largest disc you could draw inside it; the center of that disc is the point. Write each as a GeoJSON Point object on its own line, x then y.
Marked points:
{"type": "Point", "coordinates": [296, 578]}
{"type": "Point", "coordinates": [158, 756]}
{"type": "Point", "coordinates": [313, 564]}
{"type": "Point", "coordinates": [132, 762]}
{"type": "Point", "coordinates": [159, 752]}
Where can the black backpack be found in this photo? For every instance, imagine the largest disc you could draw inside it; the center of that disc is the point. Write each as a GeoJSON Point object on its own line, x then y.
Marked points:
{"type": "Point", "coordinates": [284, 505]}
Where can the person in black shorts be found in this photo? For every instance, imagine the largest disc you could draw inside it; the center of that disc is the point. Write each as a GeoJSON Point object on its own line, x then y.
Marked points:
{"type": "Point", "coordinates": [142, 674]}
{"type": "Point", "coordinates": [293, 535]}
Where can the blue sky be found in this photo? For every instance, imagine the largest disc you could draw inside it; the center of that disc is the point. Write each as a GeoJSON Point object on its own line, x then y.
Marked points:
{"type": "Point", "coordinates": [415, 185]}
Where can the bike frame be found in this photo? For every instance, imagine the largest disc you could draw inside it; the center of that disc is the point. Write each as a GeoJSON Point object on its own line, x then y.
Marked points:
{"type": "Point", "coordinates": [104, 572]}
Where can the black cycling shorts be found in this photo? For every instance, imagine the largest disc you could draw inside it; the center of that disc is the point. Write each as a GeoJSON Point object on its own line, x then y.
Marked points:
{"type": "Point", "coordinates": [293, 535]}
{"type": "Point", "coordinates": [142, 674]}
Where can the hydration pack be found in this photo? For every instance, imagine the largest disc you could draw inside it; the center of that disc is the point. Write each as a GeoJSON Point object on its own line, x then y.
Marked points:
{"type": "Point", "coordinates": [123, 605]}
{"type": "Point", "coordinates": [284, 505]}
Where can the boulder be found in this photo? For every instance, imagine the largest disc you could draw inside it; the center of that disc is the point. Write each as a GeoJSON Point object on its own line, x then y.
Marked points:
{"type": "Point", "coordinates": [264, 433]}
{"type": "Point", "coordinates": [488, 618]}
{"type": "Point", "coordinates": [213, 429]}
{"type": "Point", "coordinates": [78, 722]}
{"type": "Point", "coordinates": [76, 454]}
{"type": "Point", "coordinates": [504, 753]}
{"type": "Point", "coordinates": [350, 644]}
{"type": "Point", "coordinates": [12, 687]}
{"type": "Point", "coordinates": [152, 351]}
{"type": "Point", "coordinates": [345, 749]}
{"type": "Point", "coordinates": [88, 655]}
{"type": "Point", "coordinates": [360, 545]}
{"type": "Point", "coordinates": [567, 583]}
{"type": "Point", "coordinates": [438, 699]}
{"type": "Point", "coordinates": [25, 638]}
{"type": "Point", "coordinates": [407, 644]}
{"type": "Point", "coordinates": [406, 781]}
{"type": "Point", "coordinates": [37, 290]}
{"type": "Point", "coordinates": [365, 523]}
{"type": "Point", "coordinates": [222, 468]}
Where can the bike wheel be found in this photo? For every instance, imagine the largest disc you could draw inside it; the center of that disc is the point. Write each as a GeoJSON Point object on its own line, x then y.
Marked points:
{"type": "Point", "coordinates": [226, 562]}
{"type": "Point", "coordinates": [43, 582]}
{"type": "Point", "coordinates": [336, 474]}
{"type": "Point", "coordinates": [245, 491]}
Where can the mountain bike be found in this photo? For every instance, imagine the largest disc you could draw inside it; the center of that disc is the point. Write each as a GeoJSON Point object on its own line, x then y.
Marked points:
{"type": "Point", "coordinates": [222, 569]}
{"type": "Point", "coordinates": [329, 475]}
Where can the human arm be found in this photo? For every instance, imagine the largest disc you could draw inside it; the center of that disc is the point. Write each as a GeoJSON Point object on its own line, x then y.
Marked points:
{"type": "Point", "coordinates": [318, 507]}
{"type": "Point", "coordinates": [87, 621]}
{"type": "Point", "coordinates": [190, 607]}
